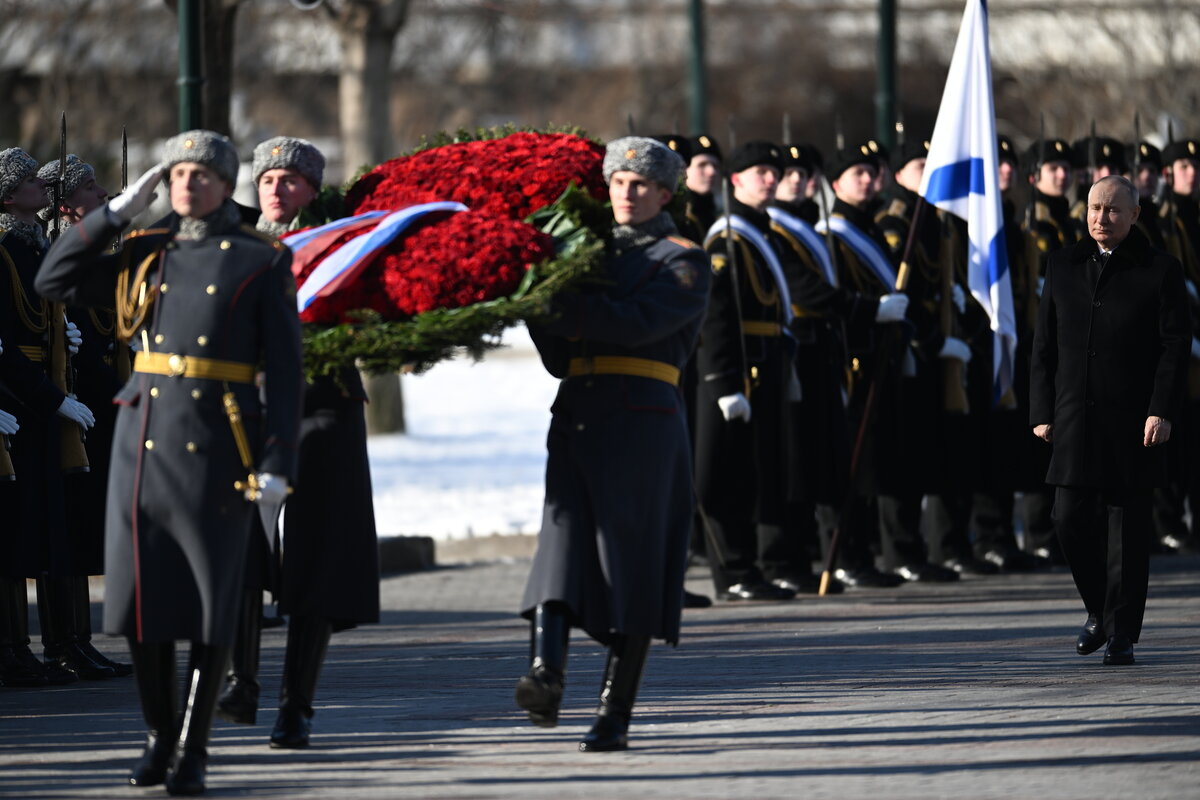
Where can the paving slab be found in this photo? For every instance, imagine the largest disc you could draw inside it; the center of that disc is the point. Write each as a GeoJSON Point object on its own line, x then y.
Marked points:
{"type": "Point", "coordinates": [967, 690]}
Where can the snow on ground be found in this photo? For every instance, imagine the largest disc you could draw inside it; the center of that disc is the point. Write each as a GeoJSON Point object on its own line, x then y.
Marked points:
{"type": "Point", "coordinates": [474, 459]}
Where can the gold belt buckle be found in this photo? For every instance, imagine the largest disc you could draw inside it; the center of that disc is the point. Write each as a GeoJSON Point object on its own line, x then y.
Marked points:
{"type": "Point", "coordinates": [176, 366]}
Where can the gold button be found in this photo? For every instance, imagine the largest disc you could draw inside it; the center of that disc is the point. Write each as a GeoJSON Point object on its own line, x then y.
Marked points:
{"type": "Point", "coordinates": [149, 444]}
{"type": "Point", "coordinates": [158, 338]}
{"type": "Point", "coordinates": [225, 245]}
{"type": "Point", "coordinates": [202, 340]}
{"type": "Point", "coordinates": [188, 144]}
{"type": "Point", "coordinates": [164, 288]}
{"type": "Point", "coordinates": [154, 391]}
{"type": "Point", "coordinates": [191, 447]}
{"type": "Point", "coordinates": [211, 289]}
{"type": "Point", "coordinates": [195, 394]}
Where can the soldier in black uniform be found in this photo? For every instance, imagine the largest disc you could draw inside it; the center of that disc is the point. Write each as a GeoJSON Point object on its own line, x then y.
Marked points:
{"type": "Point", "coordinates": [329, 576]}
{"type": "Point", "coordinates": [703, 182]}
{"type": "Point", "coordinates": [35, 541]}
{"type": "Point", "coordinates": [745, 379]}
{"type": "Point", "coordinates": [206, 304]}
{"type": "Point", "coordinates": [613, 545]}
{"type": "Point", "coordinates": [1093, 158]}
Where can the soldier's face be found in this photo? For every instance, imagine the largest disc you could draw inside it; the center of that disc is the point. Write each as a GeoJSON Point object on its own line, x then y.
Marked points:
{"type": "Point", "coordinates": [1110, 214]}
{"type": "Point", "coordinates": [282, 193]}
{"type": "Point", "coordinates": [1053, 178]}
{"type": "Point", "coordinates": [1183, 176]}
{"type": "Point", "coordinates": [1146, 180]}
{"type": "Point", "coordinates": [635, 198]}
{"type": "Point", "coordinates": [703, 173]}
{"type": "Point", "coordinates": [29, 197]}
{"type": "Point", "coordinates": [1005, 174]}
{"type": "Point", "coordinates": [792, 185]}
{"type": "Point", "coordinates": [909, 176]}
{"type": "Point", "coordinates": [856, 185]}
{"type": "Point", "coordinates": [196, 191]}
{"type": "Point", "coordinates": [755, 186]}
{"type": "Point", "coordinates": [88, 196]}
{"type": "Point", "coordinates": [813, 184]}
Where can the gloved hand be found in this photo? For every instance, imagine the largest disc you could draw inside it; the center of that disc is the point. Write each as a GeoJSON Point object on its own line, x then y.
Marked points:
{"type": "Point", "coordinates": [1041, 283]}
{"type": "Point", "coordinates": [734, 406]}
{"type": "Point", "coordinates": [1195, 347]}
{"type": "Point", "coordinates": [892, 308]}
{"type": "Point", "coordinates": [955, 348]}
{"type": "Point", "coordinates": [271, 488]}
{"type": "Point", "coordinates": [8, 423]}
{"type": "Point", "coordinates": [137, 198]}
{"type": "Point", "coordinates": [960, 298]}
{"type": "Point", "coordinates": [1, 347]}
{"type": "Point", "coordinates": [74, 338]}
{"type": "Point", "coordinates": [77, 412]}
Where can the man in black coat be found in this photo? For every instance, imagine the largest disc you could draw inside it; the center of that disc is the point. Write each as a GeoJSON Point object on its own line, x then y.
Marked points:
{"type": "Point", "coordinates": [613, 544]}
{"type": "Point", "coordinates": [1107, 377]}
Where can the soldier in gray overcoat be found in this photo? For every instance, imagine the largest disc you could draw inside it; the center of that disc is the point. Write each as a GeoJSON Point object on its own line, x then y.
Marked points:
{"type": "Point", "coordinates": [612, 549]}
{"type": "Point", "coordinates": [207, 305]}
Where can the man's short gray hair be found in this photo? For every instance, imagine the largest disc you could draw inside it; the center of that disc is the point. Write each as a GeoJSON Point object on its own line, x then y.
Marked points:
{"type": "Point", "coordinates": [1131, 191]}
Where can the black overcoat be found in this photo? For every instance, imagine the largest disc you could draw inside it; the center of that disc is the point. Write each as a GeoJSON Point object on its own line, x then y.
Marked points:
{"type": "Point", "coordinates": [619, 501]}
{"type": "Point", "coordinates": [1106, 358]}
{"type": "Point", "coordinates": [176, 528]}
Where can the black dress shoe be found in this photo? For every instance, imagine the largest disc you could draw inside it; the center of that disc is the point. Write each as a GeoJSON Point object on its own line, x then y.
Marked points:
{"type": "Point", "coordinates": [119, 668]}
{"type": "Point", "coordinates": [540, 694]}
{"type": "Point", "coordinates": [1091, 638]}
{"type": "Point", "coordinates": [969, 565]}
{"type": "Point", "coordinates": [151, 769]}
{"type": "Point", "coordinates": [73, 658]}
{"type": "Point", "coordinates": [292, 729]}
{"type": "Point", "coordinates": [1119, 651]}
{"type": "Point", "coordinates": [18, 671]}
{"type": "Point", "coordinates": [610, 733]}
{"type": "Point", "coordinates": [867, 578]}
{"type": "Point", "coordinates": [693, 600]}
{"type": "Point", "coordinates": [926, 573]}
{"type": "Point", "coordinates": [1011, 560]}
{"type": "Point", "coordinates": [187, 778]}
{"type": "Point", "coordinates": [238, 702]}
{"type": "Point", "coordinates": [808, 584]}
{"type": "Point", "coordinates": [757, 591]}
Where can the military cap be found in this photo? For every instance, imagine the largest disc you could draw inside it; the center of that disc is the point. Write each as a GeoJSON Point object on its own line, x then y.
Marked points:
{"type": "Point", "coordinates": [883, 156]}
{"type": "Point", "coordinates": [1181, 148]}
{"type": "Point", "coordinates": [706, 145]}
{"type": "Point", "coordinates": [798, 156]}
{"type": "Point", "coordinates": [1006, 150]}
{"type": "Point", "coordinates": [911, 149]}
{"type": "Point", "coordinates": [207, 148]}
{"type": "Point", "coordinates": [288, 152]}
{"type": "Point", "coordinates": [1041, 152]}
{"type": "Point", "coordinates": [855, 154]}
{"type": "Point", "coordinates": [76, 172]}
{"type": "Point", "coordinates": [813, 155]}
{"type": "Point", "coordinates": [1108, 152]}
{"type": "Point", "coordinates": [1147, 154]}
{"type": "Point", "coordinates": [647, 157]}
{"type": "Point", "coordinates": [680, 144]}
{"type": "Point", "coordinates": [15, 166]}
{"type": "Point", "coordinates": [752, 154]}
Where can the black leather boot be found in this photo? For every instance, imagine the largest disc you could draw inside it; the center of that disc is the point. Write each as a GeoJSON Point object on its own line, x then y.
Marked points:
{"type": "Point", "coordinates": [82, 603]}
{"type": "Point", "coordinates": [56, 613]}
{"type": "Point", "coordinates": [206, 674]}
{"type": "Point", "coordinates": [308, 639]}
{"type": "Point", "coordinates": [154, 665]}
{"type": "Point", "coordinates": [622, 676]}
{"type": "Point", "coordinates": [239, 699]}
{"type": "Point", "coordinates": [540, 691]}
{"type": "Point", "coordinates": [18, 666]}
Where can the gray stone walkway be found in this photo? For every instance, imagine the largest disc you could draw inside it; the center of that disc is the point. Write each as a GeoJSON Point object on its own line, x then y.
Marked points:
{"type": "Point", "coordinates": [970, 690]}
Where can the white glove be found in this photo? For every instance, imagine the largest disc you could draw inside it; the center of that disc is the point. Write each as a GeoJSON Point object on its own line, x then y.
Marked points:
{"type": "Point", "coordinates": [955, 348]}
{"type": "Point", "coordinates": [960, 298]}
{"type": "Point", "coordinates": [1195, 347]}
{"type": "Point", "coordinates": [74, 338]}
{"type": "Point", "coordinates": [1191, 289]}
{"type": "Point", "coordinates": [137, 198]}
{"type": "Point", "coordinates": [892, 308]}
{"type": "Point", "coordinates": [8, 423]}
{"type": "Point", "coordinates": [1, 348]}
{"type": "Point", "coordinates": [271, 488]}
{"type": "Point", "coordinates": [734, 406]}
{"type": "Point", "coordinates": [1041, 283]}
{"type": "Point", "coordinates": [76, 411]}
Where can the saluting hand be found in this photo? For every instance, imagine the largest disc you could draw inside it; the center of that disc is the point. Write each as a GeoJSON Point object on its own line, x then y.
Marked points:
{"type": "Point", "coordinates": [1158, 431]}
{"type": "Point", "coordinates": [1044, 432]}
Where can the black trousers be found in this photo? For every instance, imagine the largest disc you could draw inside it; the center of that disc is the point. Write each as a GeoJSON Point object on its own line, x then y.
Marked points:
{"type": "Point", "coordinates": [1105, 536]}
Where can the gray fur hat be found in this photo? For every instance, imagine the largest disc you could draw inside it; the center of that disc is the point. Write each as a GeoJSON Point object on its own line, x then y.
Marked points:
{"type": "Point", "coordinates": [15, 166]}
{"type": "Point", "coordinates": [647, 157]}
{"type": "Point", "coordinates": [77, 172]}
{"type": "Point", "coordinates": [288, 152]}
{"type": "Point", "coordinates": [203, 147]}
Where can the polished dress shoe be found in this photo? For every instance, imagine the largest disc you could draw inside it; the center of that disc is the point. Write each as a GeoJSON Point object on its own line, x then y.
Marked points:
{"type": "Point", "coordinates": [151, 769]}
{"type": "Point", "coordinates": [120, 668]}
{"type": "Point", "coordinates": [926, 573]}
{"type": "Point", "coordinates": [610, 733]}
{"type": "Point", "coordinates": [187, 778]}
{"type": "Point", "coordinates": [540, 694]}
{"type": "Point", "coordinates": [969, 565]}
{"type": "Point", "coordinates": [238, 702]}
{"type": "Point", "coordinates": [757, 591]}
{"type": "Point", "coordinates": [867, 578]}
{"type": "Point", "coordinates": [73, 658]}
{"type": "Point", "coordinates": [293, 727]}
{"type": "Point", "coordinates": [1119, 651]}
{"type": "Point", "coordinates": [1011, 560]}
{"type": "Point", "coordinates": [1091, 638]}
{"type": "Point", "coordinates": [693, 600]}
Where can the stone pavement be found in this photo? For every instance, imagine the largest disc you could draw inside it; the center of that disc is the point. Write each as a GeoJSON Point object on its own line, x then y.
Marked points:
{"type": "Point", "coordinates": [970, 690]}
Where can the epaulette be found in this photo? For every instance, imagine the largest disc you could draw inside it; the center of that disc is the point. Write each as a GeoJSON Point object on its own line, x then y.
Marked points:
{"type": "Point", "coordinates": [250, 230]}
{"type": "Point", "coordinates": [897, 208]}
{"type": "Point", "coordinates": [146, 232]}
{"type": "Point", "coordinates": [683, 242]}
